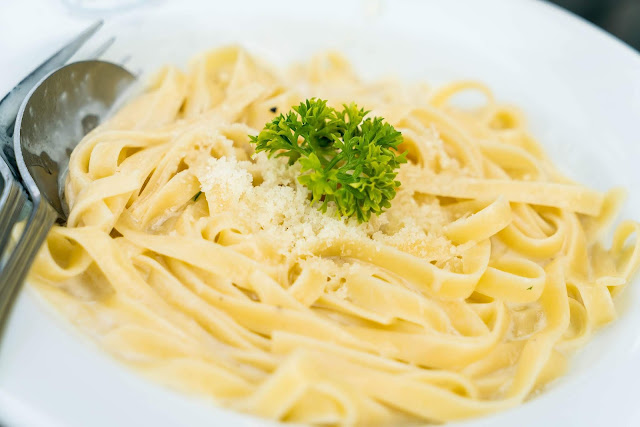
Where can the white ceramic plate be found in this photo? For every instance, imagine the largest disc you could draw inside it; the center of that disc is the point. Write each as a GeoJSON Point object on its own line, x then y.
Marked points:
{"type": "Point", "coordinates": [579, 87]}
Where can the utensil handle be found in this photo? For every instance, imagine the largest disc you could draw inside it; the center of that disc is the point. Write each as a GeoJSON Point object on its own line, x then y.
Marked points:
{"type": "Point", "coordinates": [13, 201]}
{"type": "Point", "coordinates": [19, 261]}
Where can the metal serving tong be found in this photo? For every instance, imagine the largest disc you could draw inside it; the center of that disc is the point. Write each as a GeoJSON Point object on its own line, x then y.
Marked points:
{"type": "Point", "coordinates": [41, 121]}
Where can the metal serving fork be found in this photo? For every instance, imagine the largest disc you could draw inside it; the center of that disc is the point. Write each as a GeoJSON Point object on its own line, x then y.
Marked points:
{"type": "Point", "coordinates": [41, 121]}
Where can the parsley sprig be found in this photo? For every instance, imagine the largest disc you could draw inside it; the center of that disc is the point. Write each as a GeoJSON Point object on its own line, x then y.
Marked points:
{"type": "Point", "coordinates": [345, 158]}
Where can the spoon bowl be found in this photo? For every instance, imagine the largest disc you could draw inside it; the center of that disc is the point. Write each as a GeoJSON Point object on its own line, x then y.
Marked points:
{"type": "Point", "coordinates": [54, 117]}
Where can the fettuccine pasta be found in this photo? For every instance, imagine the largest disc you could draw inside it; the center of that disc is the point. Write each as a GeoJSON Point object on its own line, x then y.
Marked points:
{"type": "Point", "coordinates": [204, 266]}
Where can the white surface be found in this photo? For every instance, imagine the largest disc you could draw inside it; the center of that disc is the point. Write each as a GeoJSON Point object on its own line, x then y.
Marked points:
{"type": "Point", "coordinates": [579, 88]}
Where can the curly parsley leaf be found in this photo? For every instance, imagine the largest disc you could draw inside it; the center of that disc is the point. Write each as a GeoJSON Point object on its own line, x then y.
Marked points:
{"type": "Point", "coordinates": [345, 158]}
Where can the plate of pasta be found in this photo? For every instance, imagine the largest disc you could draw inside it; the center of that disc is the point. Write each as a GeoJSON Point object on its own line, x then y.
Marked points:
{"type": "Point", "coordinates": [399, 214]}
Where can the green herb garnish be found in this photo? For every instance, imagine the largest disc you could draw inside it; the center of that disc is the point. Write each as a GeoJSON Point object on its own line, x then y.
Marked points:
{"type": "Point", "coordinates": [529, 288]}
{"type": "Point", "coordinates": [345, 158]}
{"type": "Point", "coordinates": [195, 198]}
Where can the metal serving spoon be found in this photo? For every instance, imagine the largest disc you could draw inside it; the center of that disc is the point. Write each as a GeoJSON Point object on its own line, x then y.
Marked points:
{"type": "Point", "coordinates": [54, 116]}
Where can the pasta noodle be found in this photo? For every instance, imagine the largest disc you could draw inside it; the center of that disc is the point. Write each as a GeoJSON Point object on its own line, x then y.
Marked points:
{"type": "Point", "coordinates": [203, 265]}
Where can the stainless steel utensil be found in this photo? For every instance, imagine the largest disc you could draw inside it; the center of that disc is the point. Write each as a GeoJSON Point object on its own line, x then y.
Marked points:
{"type": "Point", "coordinates": [13, 196]}
{"type": "Point", "coordinates": [53, 115]}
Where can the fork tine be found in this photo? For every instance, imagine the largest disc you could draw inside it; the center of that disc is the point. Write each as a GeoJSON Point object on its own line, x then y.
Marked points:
{"type": "Point", "coordinates": [101, 49]}
{"type": "Point", "coordinates": [59, 58]}
{"type": "Point", "coordinates": [11, 102]}
{"type": "Point", "coordinates": [11, 201]}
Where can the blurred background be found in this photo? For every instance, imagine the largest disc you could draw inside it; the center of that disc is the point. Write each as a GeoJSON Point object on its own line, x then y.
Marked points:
{"type": "Point", "coordinates": [619, 17]}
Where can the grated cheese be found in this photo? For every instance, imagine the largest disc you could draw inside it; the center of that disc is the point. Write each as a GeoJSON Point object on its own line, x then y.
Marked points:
{"type": "Point", "coordinates": [223, 182]}
{"type": "Point", "coordinates": [279, 209]}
